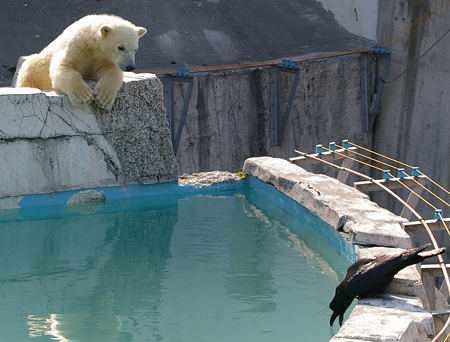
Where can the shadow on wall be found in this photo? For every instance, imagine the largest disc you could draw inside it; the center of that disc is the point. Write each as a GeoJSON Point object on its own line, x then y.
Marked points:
{"type": "Point", "coordinates": [195, 33]}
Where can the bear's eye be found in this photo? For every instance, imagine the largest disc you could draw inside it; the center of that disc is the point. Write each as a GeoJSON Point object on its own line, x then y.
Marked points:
{"type": "Point", "coordinates": [121, 48]}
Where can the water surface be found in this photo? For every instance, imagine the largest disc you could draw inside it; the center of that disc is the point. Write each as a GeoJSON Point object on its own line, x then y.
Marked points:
{"type": "Point", "coordinates": [228, 267]}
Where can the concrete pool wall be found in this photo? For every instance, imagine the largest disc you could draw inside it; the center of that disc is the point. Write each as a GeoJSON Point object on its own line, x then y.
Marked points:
{"type": "Point", "coordinates": [398, 315]}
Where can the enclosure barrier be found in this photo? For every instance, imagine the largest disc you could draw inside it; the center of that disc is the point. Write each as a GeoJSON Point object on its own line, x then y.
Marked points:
{"type": "Point", "coordinates": [414, 183]}
{"type": "Point", "coordinates": [277, 67]}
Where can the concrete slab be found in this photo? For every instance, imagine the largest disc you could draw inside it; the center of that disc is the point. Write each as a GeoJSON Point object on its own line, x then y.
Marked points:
{"type": "Point", "coordinates": [341, 206]}
{"type": "Point", "coordinates": [387, 318]}
{"type": "Point", "coordinates": [25, 113]}
{"type": "Point", "coordinates": [192, 33]}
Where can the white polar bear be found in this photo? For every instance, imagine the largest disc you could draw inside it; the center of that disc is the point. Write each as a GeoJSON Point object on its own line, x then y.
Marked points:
{"type": "Point", "coordinates": [96, 46]}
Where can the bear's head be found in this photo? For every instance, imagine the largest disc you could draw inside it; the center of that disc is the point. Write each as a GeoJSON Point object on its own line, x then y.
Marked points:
{"type": "Point", "coordinates": [120, 43]}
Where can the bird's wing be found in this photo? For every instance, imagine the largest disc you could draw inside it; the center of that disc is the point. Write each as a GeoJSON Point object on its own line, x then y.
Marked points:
{"type": "Point", "coordinates": [374, 276]}
{"type": "Point", "coordinates": [353, 268]}
{"type": "Point", "coordinates": [347, 286]}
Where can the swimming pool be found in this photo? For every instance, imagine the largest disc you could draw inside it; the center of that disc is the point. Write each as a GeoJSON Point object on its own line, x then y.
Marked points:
{"type": "Point", "coordinates": [218, 266]}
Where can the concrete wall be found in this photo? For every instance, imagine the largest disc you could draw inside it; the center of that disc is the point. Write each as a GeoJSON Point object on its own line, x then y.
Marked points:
{"type": "Point", "coordinates": [229, 114]}
{"type": "Point", "coordinates": [228, 117]}
{"type": "Point", "coordinates": [47, 145]}
{"type": "Point", "coordinates": [358, 17]}
{"type": "Point", "coordinates": [414, 123]}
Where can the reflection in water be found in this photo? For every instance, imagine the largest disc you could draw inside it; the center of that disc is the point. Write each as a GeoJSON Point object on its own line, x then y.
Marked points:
{"type": "Point", "coordinates": [307, 244]}
{"type": "Point", "coordinates": [61, 326]}
{"type": "Point", "coordinates": [252, 257]}
{"type": "Point", "coordinates": [208, 268]}
{"type": "Point", "coordinates": [39, 326]}
{"type": "Point", "coordinates": [93, 270]}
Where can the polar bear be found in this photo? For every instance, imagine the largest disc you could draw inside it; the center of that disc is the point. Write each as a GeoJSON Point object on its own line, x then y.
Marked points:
{"type": "Point", "coordinates": [96, 46]}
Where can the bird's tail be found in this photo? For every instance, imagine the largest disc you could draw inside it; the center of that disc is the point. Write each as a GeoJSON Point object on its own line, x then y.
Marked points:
{"type": "Point", "coordinates": [432, 253]}
{"type": "Point", "coordinates": [416, 255]}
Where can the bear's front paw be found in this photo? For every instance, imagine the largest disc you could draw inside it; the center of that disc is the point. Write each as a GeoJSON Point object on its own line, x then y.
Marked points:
{"type": "Point", "coordinates": [104, 98]}
{"type": "Point", "coordinates": [81, 97]}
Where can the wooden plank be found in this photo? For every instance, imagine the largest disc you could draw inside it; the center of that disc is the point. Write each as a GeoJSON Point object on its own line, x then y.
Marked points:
{"type": "Point", "coordinates": [444, 290]}
{"type": "Point", "coordinates": [430, 289]}
{"type": "Point", "coordinates": [429, 273]}
{"type": "Point", "coordinates": [412, 200]}
{"type": "Point", "coordinates": [397, 183]}
{"type": "Point", "coordinates": [434, 266]}
{"type": "Point", "coordinates": [343, 175]}
{"type": "Point", "coordinates": [252, 65]}
{"type": "Point", "coordinates": [417, 227]}
{"type": "Point", "coordinates": [328, 156]}
{"type": "Point", "coordinates": [394, 183]}
{"type": "Point", "coordinates": [434, 270]}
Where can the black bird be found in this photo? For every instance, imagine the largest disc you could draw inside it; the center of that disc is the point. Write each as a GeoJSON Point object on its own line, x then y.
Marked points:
{"type": "Point", "coordinates": [372, 275]}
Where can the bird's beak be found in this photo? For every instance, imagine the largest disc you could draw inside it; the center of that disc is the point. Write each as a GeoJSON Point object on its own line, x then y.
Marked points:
{"type": "Point", "coordinates": [333, 317]}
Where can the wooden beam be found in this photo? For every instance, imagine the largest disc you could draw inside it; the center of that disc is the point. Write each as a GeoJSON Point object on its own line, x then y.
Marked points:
{"type": "Point", "coordinates": [413, 200]}
{"type": "Point", "coordinates": [251, 65]}
{"type": "Point", "coordinates": [429, 273]}
{"type": "Point", "coordinates": [343, 175]}
{"type": "Point", "coordinates": [328, 156]}
{"type": "Point", "coordinates": [393, 183]}
{"type": "Point", "coordinates": [417, 226]}
{"type": "Point", "coordinates": [434, 270]}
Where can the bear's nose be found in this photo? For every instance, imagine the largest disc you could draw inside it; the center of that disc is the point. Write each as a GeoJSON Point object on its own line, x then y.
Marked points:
{"type": "Point", "coordinates": [130, 67]}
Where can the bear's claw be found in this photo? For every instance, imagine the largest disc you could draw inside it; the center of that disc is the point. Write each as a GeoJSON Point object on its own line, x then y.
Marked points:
{"type": "Point", "coordinates": [81, 97]}
{"type": "Point", "coordinates": [104, 99]}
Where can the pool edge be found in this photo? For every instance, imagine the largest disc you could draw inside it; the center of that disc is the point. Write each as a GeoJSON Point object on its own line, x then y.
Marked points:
{"type": "Point", "coordinates": [400, 314]}
{"type": "Point", "coordinates": [315, 193]}
{"type": "Point", "coordinates": [98, 194]}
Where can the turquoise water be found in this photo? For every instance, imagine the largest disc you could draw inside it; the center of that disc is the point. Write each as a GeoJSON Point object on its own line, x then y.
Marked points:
{"type": "Point", "coordinates": [223, 267]}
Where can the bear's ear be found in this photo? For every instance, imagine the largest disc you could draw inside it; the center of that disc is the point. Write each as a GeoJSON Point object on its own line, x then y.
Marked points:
{"type": "Point", "coordinates": [104, 30]}
{"type": "Point", "coordinates": [141, 31]}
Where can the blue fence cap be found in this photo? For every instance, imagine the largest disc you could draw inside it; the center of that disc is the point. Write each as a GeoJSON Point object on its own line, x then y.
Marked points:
{"type": "Point", "coordinates": [387, 174]}
{"type": "Point", "coordinates": [345, 143]}
{"type": "Point", "coordinates": [401, 173]}
{"type": "Point", "coordinates": [438, 215]}
{"type": "Point", "coordinates": [319, 149]}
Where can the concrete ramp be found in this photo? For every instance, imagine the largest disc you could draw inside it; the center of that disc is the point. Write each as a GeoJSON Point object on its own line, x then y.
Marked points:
{"type": "Point", "coordinates": [183, 33]}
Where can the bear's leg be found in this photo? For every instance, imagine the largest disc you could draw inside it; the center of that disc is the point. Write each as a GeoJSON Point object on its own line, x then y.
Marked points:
{"type": "Point", "coordinates": [73, 85]}
{"type": "Point", "coordinates": [69, 81]}
{"type": "Point", "coordinates": [34, 73]}
{"type": "Point", "coordinates": [109, 83]}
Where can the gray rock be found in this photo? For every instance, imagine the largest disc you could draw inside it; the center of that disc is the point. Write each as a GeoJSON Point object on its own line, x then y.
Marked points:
{"type": "Point", "coordinates": [48, 145]}
{"type": "Point", "coordinates": [141, 138]}
{"type": "Point", "coordinates": [207, 179]}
